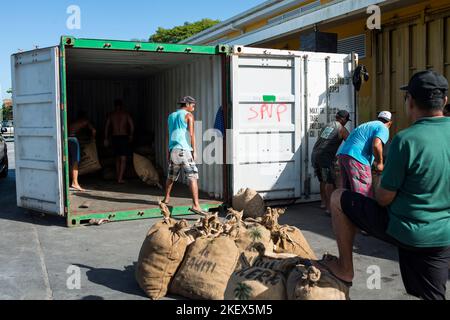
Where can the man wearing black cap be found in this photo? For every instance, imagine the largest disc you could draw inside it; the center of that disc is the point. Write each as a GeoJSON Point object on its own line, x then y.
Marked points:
{"type": "Point", "coordinates": [324, 154]}
{"type": "Point", "coordinates": [412, 210]}
{"type": "Point", "coordinates": [447, 111]}
{"type": "Point", "coordinates": [183, 151]}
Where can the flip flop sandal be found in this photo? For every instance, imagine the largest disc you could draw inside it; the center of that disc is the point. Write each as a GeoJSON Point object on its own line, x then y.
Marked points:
{"type": "Point", "coordinates": [329, 258]}
{"type": "Point", "coordinates": [200, 213]}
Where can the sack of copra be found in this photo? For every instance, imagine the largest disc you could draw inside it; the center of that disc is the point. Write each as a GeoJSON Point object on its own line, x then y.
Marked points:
{"type": "Point", "coordinates": [306, 282]}
{"type": "Point", "coordinates": [250, 202]}
{"type": "Point", "coordinates": [280, 262]}
{"type": "Point", "coordinates": [206, 269]}
{"type": "Point", "coordinates": [289, 239]}
{"type": "Point", "coordinates": [89, 162]}
{"type": "Point", "coordinates": [251, 234]}
{"type": "Point", "coordinates": [256, 284]}
{"type": "Point", "coordinates": [146, 171]}
{"type": "Point", "coordinates": [161, 255]}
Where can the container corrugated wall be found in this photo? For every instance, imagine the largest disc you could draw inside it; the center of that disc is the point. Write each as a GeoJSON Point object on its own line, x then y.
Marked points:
{"type": "Point", "coordinates": [202, 79]}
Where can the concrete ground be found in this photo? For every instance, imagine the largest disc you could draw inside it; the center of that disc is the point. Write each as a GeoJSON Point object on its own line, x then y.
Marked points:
{"type": "Point", "coordinates": [36, 254]}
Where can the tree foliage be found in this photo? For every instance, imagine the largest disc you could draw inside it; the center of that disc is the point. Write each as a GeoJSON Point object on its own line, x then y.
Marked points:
{"type": "Point", "coordinates": [7, 113]}
{"type": "Point", "coordinates": [180, 33]}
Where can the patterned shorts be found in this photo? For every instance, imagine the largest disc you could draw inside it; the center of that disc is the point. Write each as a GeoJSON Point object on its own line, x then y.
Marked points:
{"type": "Point", "coordinates": [356, 176]}
{"type": "Point", "coordinates": [182, 160]}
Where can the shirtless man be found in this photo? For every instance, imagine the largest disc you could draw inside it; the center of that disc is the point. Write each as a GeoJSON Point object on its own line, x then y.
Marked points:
{"type": "Point", "coordinates": [74, 147]}
{"type": "Point", "coordinates": [122, 126]}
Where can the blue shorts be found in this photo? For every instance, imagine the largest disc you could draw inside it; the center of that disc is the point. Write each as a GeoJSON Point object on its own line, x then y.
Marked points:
{"type": "Point", "coordinates": [74, 151]}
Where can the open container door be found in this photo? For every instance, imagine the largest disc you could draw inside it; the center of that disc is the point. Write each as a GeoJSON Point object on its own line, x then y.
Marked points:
{"type": "Point", "coordinates": [266, 107]}
{"type": "Point", "coordinates": [36, 95]}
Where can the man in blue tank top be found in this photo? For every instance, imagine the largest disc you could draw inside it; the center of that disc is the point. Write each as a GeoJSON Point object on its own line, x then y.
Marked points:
{"type": "Point", "coordinates": [182, 150]}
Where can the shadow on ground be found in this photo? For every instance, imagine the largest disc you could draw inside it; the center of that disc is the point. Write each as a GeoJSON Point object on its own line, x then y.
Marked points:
{"type": "Point", "coordinates": [118, 280]}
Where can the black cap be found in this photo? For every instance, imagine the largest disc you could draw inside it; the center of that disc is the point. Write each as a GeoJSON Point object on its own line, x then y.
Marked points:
{"type": "Point", "coordinates": [186, 100]}
{"type": "Point", "coordinates": [344, 115]}
{"type": "Point", "coordinates": [423, 86]}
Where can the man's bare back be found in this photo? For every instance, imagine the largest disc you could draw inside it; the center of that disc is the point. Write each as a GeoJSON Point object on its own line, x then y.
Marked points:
{"type": "Point", "coordinates": [121, 123]}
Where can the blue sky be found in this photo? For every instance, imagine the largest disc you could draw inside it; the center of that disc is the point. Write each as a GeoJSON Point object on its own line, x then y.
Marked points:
{"type": "Point", "coordinates": [29, 23]}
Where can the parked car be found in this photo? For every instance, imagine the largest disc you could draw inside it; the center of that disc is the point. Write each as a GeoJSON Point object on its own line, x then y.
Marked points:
{"type": "Point", "coordinates": [8, 129]}
{"type": "Point", "coordinates": [3, 156]}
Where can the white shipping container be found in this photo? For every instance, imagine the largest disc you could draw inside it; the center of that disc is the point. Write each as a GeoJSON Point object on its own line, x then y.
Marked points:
{"type": "Point", "coordinates": [275, 102]}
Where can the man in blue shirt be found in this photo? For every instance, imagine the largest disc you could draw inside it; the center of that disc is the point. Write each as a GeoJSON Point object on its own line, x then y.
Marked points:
{"type": "Point", "coordinates": [182, 150]}
{"type": "Point", "coordinates": [363, 148]}
{"type": "Point", "coordinates": [412, 206]}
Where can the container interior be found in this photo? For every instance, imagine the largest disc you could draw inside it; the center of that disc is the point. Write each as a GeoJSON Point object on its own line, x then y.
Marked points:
{"type": "Point", "coordinates": [149, 84]}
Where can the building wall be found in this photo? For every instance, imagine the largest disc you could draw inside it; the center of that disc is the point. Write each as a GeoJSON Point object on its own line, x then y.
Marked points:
{"type": "Point", "coordinates": [263, 22]}
{"type": "Point", "coordinates": [413, 38]}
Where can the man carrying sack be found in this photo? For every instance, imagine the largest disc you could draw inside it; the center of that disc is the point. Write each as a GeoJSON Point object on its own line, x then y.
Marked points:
{"type": "Point", "coordinates": [412, 210]}
{"type": "Point", "coordinates": [324, 154]}
{"type": "Point", "coordinates": [364, 148]}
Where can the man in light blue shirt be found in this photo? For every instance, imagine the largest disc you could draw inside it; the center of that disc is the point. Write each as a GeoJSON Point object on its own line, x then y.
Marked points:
{"type": "Point", "coordinates": [364, 148]}
{"type": "Point", "coordinates": [182, 150]}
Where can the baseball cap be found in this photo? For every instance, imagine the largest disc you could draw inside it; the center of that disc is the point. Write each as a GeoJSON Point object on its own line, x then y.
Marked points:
{"type": "Point", "coordinates": [344, 115]}
{"type": "Point", "coordinates": [386, 115]}
{"type": "Point", "coordinates": [186, 100]}
{"type": "Point", "coordinates": [423, 84]}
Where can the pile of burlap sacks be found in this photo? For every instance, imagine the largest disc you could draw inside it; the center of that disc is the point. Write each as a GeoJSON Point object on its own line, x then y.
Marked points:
{"type": "Point", "coordinates": [247, 256]}
{"type": "Point", "coordinates": [142, 165]}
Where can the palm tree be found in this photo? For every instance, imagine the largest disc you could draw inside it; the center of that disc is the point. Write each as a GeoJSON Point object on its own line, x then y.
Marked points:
{"type": "Point", "coordinates": [255, 234]}
{"type": "Point", "coordinates": [242, 291]}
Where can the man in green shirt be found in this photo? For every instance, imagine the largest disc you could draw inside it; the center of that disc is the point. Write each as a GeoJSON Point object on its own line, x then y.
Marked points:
{"type": "Point", "coordinates": [412, 206]}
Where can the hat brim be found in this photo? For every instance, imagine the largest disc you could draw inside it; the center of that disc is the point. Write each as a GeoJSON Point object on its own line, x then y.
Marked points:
{"type": "Point", "coordinates": [404, 88]}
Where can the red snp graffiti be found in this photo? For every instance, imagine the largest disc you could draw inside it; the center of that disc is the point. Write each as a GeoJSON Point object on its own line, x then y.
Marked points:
{"type": "Point", "coordinates": [268, 112]}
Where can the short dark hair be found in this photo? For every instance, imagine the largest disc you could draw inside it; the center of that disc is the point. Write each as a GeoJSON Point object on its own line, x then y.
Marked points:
{"type": "Point", "coordinates": [384, 120]}
{"type": "Point", "coordinates": [118, 103]}
{"type": "Point", "coordinates": [435, 101]}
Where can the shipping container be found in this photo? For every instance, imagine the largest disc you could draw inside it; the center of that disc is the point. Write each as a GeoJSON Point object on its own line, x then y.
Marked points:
{"type": "Point", "coordinates": [273, 104]}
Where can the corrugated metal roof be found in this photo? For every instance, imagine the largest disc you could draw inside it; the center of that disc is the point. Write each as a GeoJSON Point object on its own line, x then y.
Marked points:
{"type": "Point", "coordinates": [105, 63]}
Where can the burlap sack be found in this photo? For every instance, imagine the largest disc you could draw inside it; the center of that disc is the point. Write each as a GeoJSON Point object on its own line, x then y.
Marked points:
{"type": "Point", "coordinates": [283, 262]}
{"type": "Point", "coordinates": [251, 234]}
{"type": "Point", "coordinates": [289, 239]}
{"type": "Point", "coordinates": [250, 202]}
{"type": "Point", "coordinates": [306, 282]}
{"type": "Point", "coordinates": [206, 269]}
{"type": "Point", "coordinates": [246, 260]}
{"type": "Point", "coordinates": [161, 254]}
{"type": "Point", "coordinates": [89, 162]}
{"type": "Point", "coordinates": [146, 170]}
{"type": "Point", "coordinates": [256, 284]}
{"type": "Point", "coordinates": [270, 219]}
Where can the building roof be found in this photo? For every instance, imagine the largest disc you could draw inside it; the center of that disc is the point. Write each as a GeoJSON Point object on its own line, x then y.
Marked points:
{"type": "Point", "coordinates": [326, 12]}
{"type": "Point", "coordinates": [265, 9]}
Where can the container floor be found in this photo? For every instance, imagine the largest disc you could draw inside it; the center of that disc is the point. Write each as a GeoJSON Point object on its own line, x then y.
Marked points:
{"type": "Point", "coordinates": [109, 197]}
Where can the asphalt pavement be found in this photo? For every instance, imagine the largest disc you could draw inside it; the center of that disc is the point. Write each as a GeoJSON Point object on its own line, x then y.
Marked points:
{"type": "Point", "coordinates": [41, 259]}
